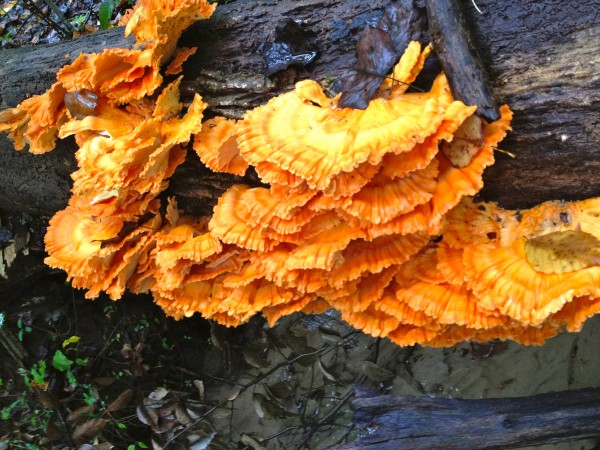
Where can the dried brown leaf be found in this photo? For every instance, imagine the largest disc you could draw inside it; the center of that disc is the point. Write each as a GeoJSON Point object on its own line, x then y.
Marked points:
{"type": "Point", "coordinates": [563, 251]}
{"type": "Point", "coordinates": [200, 386]}
{"type": "Point", "coordinates": [147, 416]}
{"type": "Point", "coordinates": [251, 442]}
{"type": "Point", "coordinates": [281, 389]}
{"type": "Point", "coordinates": [121, 401]}
{"type": "Point", "coordinates": [234, 394]}
{"type": "Point", "coordinates": [466, 143]}
{"type": "Point", "coordinates": [182, 415]}
{"type": "Point", "coordinates": [88, 430]}
{"type": "Point", "coordinates": [158, 394]}
{"type": "Point", "coordinates": [203, 443]}
{"type": "Point", "coordinates": [326, 373]}
{"type": "Point", "coordinates": [221, 413]}
{"type": "Point", "coordinates": [266, 407]}
{"type": "Point", "coordinates": [256, 356]}
{"type": "Point", "coordinates": [80, 414]}
{"type": "Point", "coordinates": [219, 336]}
{"type": "Point", "coordinates": [104, 381]}
{"type": "Point", "coordinates": [376, 373]}
{"type": "Point", "coordinates": [46, 398]}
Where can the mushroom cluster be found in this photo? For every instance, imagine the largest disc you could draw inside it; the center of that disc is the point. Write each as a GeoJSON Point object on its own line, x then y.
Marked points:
{"type": "Point", "coordinates": [114, 77]}
{"type": "Point", "coordinates": [366, 211]}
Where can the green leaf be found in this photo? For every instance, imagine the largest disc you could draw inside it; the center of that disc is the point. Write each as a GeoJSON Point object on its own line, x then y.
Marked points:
{"type": "Point", "coordinates": [61, 362]}
{"type": "Point", "coordinates": [71, 340]}
{"type": "Point", "coordinates": [71, 378]}
{"type": "Point", "coordinates": [142, 445]}
{"type": "Point", "coordinates": [105, 13]}
{"type": "Point", "coordinates": [38, 372]}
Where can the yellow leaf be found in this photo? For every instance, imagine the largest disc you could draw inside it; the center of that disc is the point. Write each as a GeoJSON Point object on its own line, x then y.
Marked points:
{"type": "Point", "coordinates": [563, 251]}
{"type": "Point", "coordinates": [71, 340]}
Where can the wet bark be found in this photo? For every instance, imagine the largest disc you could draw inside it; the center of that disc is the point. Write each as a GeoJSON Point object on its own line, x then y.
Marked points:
{"type": "Point", "coordinates": [430, 423]}
{"type": "Point", "coordinates": [541, 57]}
{"type": "Point", "coordinates": [453, 43]}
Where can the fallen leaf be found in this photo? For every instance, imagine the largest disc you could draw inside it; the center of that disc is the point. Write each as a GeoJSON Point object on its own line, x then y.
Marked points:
{"type": "Point", "coordinates": [466, 143]}
{"type": "Point", "coordinates": [376, 56]}
{"type": "Point", "coordinates": [251, 442]}
{"type": "Point", "coordinates": [88, 430]}
{"type": "Point", "coordinates": [147, 416]}
{"type": "Point", "coordinates": [563, 251]}
{"type": "Point", "coordinates": [121, 401]}
{"type": "Point", "coordinates": [158, 394]}
{"type": "Point", "coordinates": [71, 340]}
{"type": "Point", "coordinates": [200, 386]}
{"type": "Point", "coordinates": [267, 408]}
{"type": "Point", "coordinates": [80, 414]}
{"type": "Point", "coordinates": [327, 374]}
{"type": "Point", "coordinates": [203, 443]}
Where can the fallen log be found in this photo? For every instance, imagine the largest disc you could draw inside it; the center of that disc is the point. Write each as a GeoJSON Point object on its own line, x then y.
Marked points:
{"type": "Point", "coordinates": [451, 423]}
{"type": "Point", "coordinates": [543, 67]}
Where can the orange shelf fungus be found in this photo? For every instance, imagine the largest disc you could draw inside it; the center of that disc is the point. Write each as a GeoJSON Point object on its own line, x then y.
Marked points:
{"type": "Point", "coordinates": [36, 120]}
{"type": "Point", "coordinates": [304, 132]}
{"type": "Point", "coordinates": [216, 146]}
{"type": "Point", "coordinates": [367, 211]}
{"type": "Point", "coordinates": [528, 264]}
{"type": "Point", "coordinates": [175, 67]}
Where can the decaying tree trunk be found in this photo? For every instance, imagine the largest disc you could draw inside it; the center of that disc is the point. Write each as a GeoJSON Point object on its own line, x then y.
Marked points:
{"type": "Point", "coordinates": [431, 423]}
{"type": "Point", "coordinates": [542, 58]}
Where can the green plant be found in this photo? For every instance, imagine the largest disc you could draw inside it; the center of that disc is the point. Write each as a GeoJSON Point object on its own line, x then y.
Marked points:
{"type": "Point", "coordinates": [142, 324]}
{"type": "Point", "coordinates": [105, 12]}
{"type": "Point", "coordinates": [79, 21]}
{"type": "Point", "coordinates": [137, 445]}
{"type": "Point", "coordinates": [6, 37]}
{"type": "Point", "coordinates": [23, 329]}
{"type": "Point", "coordinates": [164, 343]}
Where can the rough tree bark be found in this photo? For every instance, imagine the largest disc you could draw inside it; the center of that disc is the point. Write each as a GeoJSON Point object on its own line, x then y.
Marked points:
{"type": "Point", "coordinates": [542, 58]}
{"type": "Point", "coordinates": [452, 423]}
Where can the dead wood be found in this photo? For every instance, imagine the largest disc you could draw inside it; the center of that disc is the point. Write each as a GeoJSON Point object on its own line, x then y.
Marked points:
{"type": "Point", "coordinates": [450, 423]}
{"type": "Point", "coordinates": [452, 41]}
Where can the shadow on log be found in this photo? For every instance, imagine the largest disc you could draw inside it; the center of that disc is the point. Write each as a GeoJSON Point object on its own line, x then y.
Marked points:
{"type": "Point", "coordinates": [430, 423]}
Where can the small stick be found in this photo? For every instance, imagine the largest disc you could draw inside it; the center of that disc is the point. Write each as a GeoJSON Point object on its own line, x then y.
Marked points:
{"type": "Point", "coordinates": [453, 45]}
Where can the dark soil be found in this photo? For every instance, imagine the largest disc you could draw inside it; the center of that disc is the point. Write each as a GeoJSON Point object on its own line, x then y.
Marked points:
{"type": "Point", "coordinates": [86, 374]}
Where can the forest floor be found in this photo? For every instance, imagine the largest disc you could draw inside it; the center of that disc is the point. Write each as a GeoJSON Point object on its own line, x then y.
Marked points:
{"type": "Point", "coordinates": [100, 374]}
{"type": "Point", "coordinates": [31, 22]}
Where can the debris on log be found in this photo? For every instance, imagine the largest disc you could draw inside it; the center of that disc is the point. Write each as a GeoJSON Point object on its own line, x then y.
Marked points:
{"type": "Point", "coordinates": [452, 42]}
